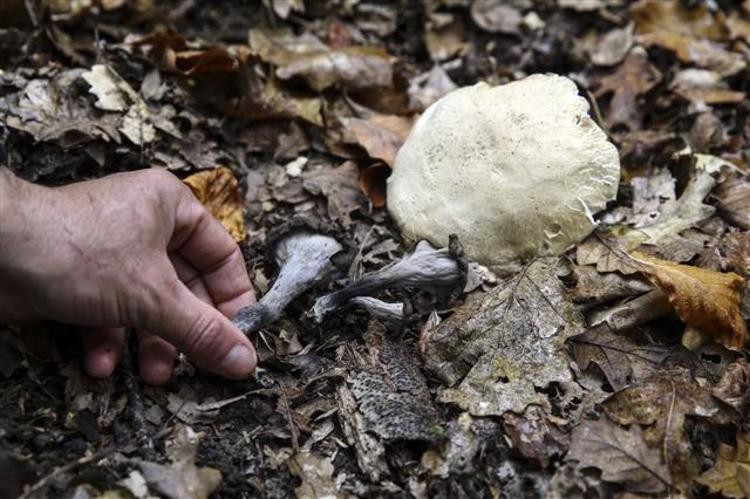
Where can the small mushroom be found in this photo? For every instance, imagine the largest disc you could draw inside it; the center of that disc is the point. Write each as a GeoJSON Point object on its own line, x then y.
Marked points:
{"type": "Point", "coordinates": [304, 258]}
{"type": "Point", "coordinates": [515, 171]}
{"type": "Point", "coordinates": [439, 270]}
{"type": "Point", "coordinates": [395, 312]}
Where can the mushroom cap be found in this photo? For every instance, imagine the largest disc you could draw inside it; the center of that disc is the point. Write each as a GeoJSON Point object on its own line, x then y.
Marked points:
{"type": "Point", "coordinates": [515, 171]}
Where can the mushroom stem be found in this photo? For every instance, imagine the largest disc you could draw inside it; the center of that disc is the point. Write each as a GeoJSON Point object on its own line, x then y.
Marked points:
{"type": "Point", "coordinates": [424, 267]}
{"type": "Point", "coordinates": [305, 261]}
{"type": "Point", "coordinates": [378, 308]}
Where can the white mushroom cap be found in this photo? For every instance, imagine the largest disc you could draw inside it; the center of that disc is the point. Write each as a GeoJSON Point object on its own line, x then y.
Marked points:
{"type": "Point", "coordinates": [515, 171]}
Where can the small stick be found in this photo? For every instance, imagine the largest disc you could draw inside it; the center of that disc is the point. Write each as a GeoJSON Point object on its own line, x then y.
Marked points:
{"type": "Point", "coordinates": [43, 482]}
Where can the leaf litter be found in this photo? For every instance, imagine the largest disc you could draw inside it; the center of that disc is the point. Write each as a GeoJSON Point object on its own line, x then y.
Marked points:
{"type": "Point", "coordinates": [567, 378]}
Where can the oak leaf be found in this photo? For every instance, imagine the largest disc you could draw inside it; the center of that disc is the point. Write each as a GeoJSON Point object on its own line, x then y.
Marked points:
{"type": "Point", "coordinates": [219, 192]}
{"type": "Point", "coordinates": [706, 300]}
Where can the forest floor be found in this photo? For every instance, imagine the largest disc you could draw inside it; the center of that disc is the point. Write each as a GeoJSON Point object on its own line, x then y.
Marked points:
{"type": "Point", "coordinates": [639, 385]}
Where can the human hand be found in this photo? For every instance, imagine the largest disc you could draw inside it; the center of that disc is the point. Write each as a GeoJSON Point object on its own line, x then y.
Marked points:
{"type": "Point", "coordinates": [132, 250]}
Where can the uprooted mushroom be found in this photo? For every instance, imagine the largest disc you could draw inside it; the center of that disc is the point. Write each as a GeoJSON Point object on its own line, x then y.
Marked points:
{"type": "Point", "coordinates": [441, 271]}
{"type": "Point", "coordinates": [304, 257]}
{"type": "Point", "coordinates": [515, 171]}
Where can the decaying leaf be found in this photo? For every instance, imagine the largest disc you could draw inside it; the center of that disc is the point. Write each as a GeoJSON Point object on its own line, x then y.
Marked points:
{"type": "Point", "coordinates": [661, 405]}
{"type": "Point", "coordinates": [706, 300]}
{"type": "Point", "coordinates": [621, 456]}
{"type": "Point", "coordinates": [730, 475]}
{"type": "Point", "coordinates": [219, 191]}
{"type": "Point", "coordinates": [619, 357]}
{"type": "Point", "coordinates": [534, 436]}
{"type": "Point", "coordinates": [734, 386]}
{"type": "Point", "coordinates": [316, 474]}
{"type": "Point", "coordinates": [678, 215]}
{"type": "Point", "coordinates": [182, 479]}
{"type": "Point", "coordinates": [115, 94]}
{"type": "Point", "coordinates": [464, 439]}
{"type": "Point", "coordinates": [391, 392]}
{"type": "Point", "coordinates": [499, 353]}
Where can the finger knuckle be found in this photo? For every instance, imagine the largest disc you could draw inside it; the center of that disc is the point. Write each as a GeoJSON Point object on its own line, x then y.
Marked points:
{"type": "Point", "coordinates": [205, 334]}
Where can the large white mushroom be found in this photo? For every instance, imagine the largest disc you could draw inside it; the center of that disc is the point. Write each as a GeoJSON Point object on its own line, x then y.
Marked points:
{"type": "Point", "coordinates": [515, 171]}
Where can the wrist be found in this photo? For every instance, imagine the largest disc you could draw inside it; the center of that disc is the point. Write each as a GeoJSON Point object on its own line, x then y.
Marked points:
{"type": "Point", "coordinates": [20, 205]}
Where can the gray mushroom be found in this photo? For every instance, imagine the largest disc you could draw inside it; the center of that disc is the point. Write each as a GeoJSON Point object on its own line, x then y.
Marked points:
{"type": "Point", "coordinates": [439, 270]}
{"type": "Point", "coordinates": [380, 309]}
{"type": "Point", "coordinates": [304, 259]}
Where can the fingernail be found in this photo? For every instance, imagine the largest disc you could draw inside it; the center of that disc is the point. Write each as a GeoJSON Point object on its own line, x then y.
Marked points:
{"type": "Point", "coordinates": [239, 362]}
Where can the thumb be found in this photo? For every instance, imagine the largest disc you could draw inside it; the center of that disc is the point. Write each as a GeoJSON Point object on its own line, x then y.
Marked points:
{"type": "Point", "coordinates": [202, 333]}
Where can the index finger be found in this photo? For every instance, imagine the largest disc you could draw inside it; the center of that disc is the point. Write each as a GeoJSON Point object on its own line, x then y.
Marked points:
{"type": "Point", "coordinates": [204, 243]}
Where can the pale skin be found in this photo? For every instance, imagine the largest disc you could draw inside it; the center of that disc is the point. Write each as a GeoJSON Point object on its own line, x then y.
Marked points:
{"type": "Point", "coordinates": [129, 251]}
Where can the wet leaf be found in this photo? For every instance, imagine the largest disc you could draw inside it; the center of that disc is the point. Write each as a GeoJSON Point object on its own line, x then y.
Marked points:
{"type": "Point", "coordinates": [621, 456]}
{"type": "Point", "coordinates": [498, 354]}
{"type": "Point", "coordinates": [730, 475]}
{"type": "Point", "coordinates": [219, 192]}
{"type": "Point", "coordinates": [706, 300]}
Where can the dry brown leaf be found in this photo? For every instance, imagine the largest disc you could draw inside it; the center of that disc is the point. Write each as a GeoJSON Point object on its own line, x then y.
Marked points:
{"type": "Point", "coordinates": [372, 182]}
{"type": "Point", "coordinates": [219, 191]}
{"type": "Point", "coordinates": [733, 195]}
{"type": "Point", "coordinates": [705, 300]}
{"type": "Point", "coordinates": [633, 78]}
{"type": "Point", "coordinates": [691, 33]}
{"type": "Point", "coordinates": [730, 475]}
{"type": "Point", "coordinates": [381, 135]}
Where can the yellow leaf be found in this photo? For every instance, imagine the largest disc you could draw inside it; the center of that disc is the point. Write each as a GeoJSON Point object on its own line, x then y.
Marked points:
{"type": "Point", "coordinates": [219, 191]}
{"type": "Point", "coordinates": [731, 472]}
{"type": "Point", "coordinates": [705, 300]}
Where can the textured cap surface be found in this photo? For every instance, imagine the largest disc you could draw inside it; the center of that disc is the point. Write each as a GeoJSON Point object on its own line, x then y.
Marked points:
{"type": "Point", "coordinates": [514, 170]}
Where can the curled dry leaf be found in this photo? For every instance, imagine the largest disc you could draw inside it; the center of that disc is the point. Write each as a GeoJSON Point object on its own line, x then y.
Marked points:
{"type": "Point", "coordinates": [372, 181]}
{"type": "Point", "coordinates": [219, 192]}
{"type": "Point", "coordinates": [705, 300]}
{"type": "Point", "coordinates": [733, 195]}
{"type": "Point", "coordinates": [730, 475]}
